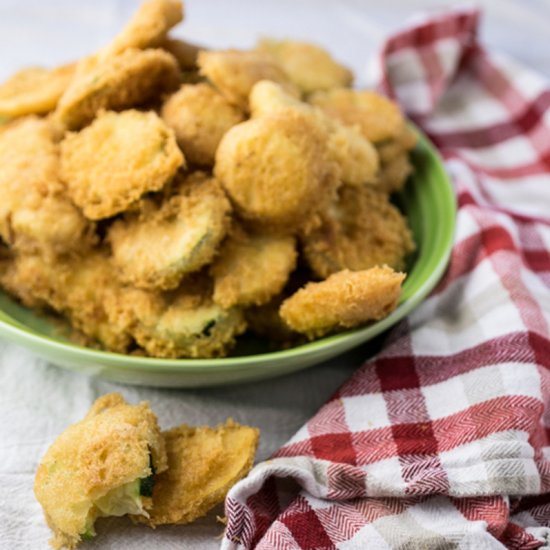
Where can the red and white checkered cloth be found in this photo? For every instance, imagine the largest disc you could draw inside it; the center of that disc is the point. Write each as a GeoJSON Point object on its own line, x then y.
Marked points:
{"type": "Point", "coordinates": [442, 440]}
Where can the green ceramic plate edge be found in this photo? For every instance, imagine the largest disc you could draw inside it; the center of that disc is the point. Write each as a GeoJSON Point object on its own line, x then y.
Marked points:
{"type": "Point", "coordinates": [430, 204]}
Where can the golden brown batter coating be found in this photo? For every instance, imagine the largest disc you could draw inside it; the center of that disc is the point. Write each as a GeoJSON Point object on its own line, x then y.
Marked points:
{"type": "Point", "coordinates": [276, 169]}
{"type": "Point", "coordinates": [361, 230]}
{"type": "Point", "coordinates": [203, 464]}
{"type": "Point", "coordinates": [377, 117]}
{"type": "Point", "coordinates": [394, 173]}
{"type": "Point", "coordinates": [109, 165]}
{"type": "Point", "coordinates": [158, 246]}
{"type": "Point", "coordinates": [252, 268]}
{"type": "Point", "coordinates": [308, 66]}
{"type": "Point", "coordinates": [200, 116]}
{"type": "Point", "coordinates": [345, 300]}
{"type": "Point", "coordinates": [234, 72]}
{"type": "Point", "coordinates": [185, 52]}
{"type": "Point", "coordinates": [129, 79]}
{"type": "Point", "coordinates": [34, 90]}
{"type": "Point", "coordinates": [94, 468]}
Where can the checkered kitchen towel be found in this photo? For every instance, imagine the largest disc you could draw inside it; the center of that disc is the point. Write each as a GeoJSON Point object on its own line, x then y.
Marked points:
{"type": "Point", "coordinates": [441, 441]}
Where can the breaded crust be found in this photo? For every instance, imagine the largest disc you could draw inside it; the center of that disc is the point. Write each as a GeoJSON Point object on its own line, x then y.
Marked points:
{"type": "Point", "coordinates": [377, 117]}
{"type": "Point", "coordinates": [111, 446]}
{"type": "Point", "coordinates": [157, 247]}
{"type": "Point", "coordinates": [234, 72]}
{"type": "Point", "coordinates": [344, 300]}
{"type": "Point", "coordinates": [276, 169]}
{"type": "Point", "coordinates": [200, 116]}
{"type": "Point", "coordinates": [394, 174]}
{"type": "Point", "coordinates": [34, 90]}
{"type": "Point", "coordinates": [308, 66]}
{"type": "Point", "coordinates": [203, 464]}
{"type": "Point", "coordinates": [129, 79]}
{"type": "Point", "coordinates": [109, 165]}
{"type": "Point", "coordinates": [252, 268]}
{"type": "Point", "coordinates": [185, 52]}
{"type": "Point", "coordinates": [362, 229]}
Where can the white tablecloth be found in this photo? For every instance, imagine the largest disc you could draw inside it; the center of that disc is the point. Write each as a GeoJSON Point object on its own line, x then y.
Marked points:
{"type": "Point", "coordinates": [38, 400]}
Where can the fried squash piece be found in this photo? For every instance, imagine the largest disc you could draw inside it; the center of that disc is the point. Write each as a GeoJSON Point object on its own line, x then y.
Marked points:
{"type": "Point", "coordinates": [185, 52]}
{"type": "Point", "coordinates": [121, 156]}
{"type": "Point", "coordinates": [158, 246]}
{"type": "Point", "coordinates": [35, 214]}
{"type": "Point", "coordinates": [34, 90]}
{"type": "Point", "coordinates": [98, 467]}
{"type": "Point", "coordinates": [129, 79]}
{"type": "Point", "coordinates": [252, 268]}
{"type": "Point", "coordinates": [360, 230]}
{"type": "Point", "coordinates": [276, 169]}
{"type": "Point", "coordinates": [200, 116]}
{"type": "Point", "coordinates": [308, 66]}
{"type": "Point", "coordinates": [203, 464]}
{"type": "Point", "coordinates": [376, 116]}
{"type": "Point", "coordinates": [394, 174]}
{"type": "Point", "coordinates": [234, 72]}
{"type": "Point", "coordinates": [345, 300]}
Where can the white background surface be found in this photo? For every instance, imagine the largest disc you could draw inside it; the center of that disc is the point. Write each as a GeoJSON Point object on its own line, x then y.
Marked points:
{"type": "Point", "coordinates": [37, 400]}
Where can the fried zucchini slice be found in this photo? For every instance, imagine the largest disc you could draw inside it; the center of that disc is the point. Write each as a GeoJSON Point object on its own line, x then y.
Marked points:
{"type": "Point", "coordinates": [130, 79]}
{"type": "Point", "coordinates": [156, 248]}
{"type": "Point", "coordinates": [96, 466]}
{"type": "Point", "coordinates": [252, 268]}
{"type": "Point", "coordinates": [34, 90]}
{"type": "Point", "coordinates": [203, 464]}
{"type": "Point", "coordinates": [345, 300]}
{"type": "Point", "coordinates": [200, 116]}
{"type": "Point", "coordinates": [308, 66]}
{"type": "Point", "coordinates": [121, 156]}
{"type": "Point", "coordinates": [185, 52]}
{"type": "Point", "coordinates": [360, 230]}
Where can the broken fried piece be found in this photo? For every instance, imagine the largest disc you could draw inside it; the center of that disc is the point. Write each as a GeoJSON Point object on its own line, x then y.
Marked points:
{"type": "Point", "coordinates": [344, 300]}
{"type": "Point", "coordinates": [99, 467]}
{"type": "Point", "coordinates": [203, 464]}
{"type": "Point", "coordinates": [308, 66]}
{"type": "Point", "coordinates": [158, 246]}
{"type": "Point", "coordinates": [109, 165]}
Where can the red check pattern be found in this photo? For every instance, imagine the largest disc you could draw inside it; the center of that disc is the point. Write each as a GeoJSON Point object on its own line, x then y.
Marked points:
{"type": "Point", "coordinates": [441, 441]}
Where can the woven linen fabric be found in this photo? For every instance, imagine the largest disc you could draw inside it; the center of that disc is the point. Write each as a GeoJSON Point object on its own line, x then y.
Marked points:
{"type": "Point", "coordinates": [440, 441]}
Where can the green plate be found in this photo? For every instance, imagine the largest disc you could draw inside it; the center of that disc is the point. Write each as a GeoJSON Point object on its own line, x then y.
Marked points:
{"type": "Point", "coordinates": [428, 201]}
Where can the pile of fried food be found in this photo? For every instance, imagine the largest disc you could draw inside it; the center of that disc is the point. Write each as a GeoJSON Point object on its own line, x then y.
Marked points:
{"type": "Point", "coordinates": [165, 197]}
{"type": "Point", "coordinates": [117, 462]}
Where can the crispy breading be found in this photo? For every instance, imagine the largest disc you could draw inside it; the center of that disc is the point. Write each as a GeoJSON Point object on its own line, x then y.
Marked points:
{"type": "Point", "coordinates": [129, 79]}
{"type": "Point", "coordinates": [377, 117]}
{"type": "Point", "coordinates": [360, 230]}
{"type": "Point", "coordinates": [185, 52]}
{"type": "Point", "coordinates": [276, 169]}
{"type": "Point", "coordinates": [200, 116]}
{"type": "Point", "coordinates": [234, 72]}
{"type": "Point", "coordinates": [109, 165]}
{"type": "Point", "coordinates": [35, 214]}
{"type": "Point", "coordinates": [392, 148]}
{"type": "Point", "coordinates": [203, 464]}
{"type": "Point", "coordinates": [265, 321]}
{"type": "Point", "coordinates": [158, 246]}
{"type": "Point", "coordinates": [114, 445]}
{"type": "Point", "coordinates": [34, 90]}
{"type": "Point", "coordinates": [308, 66]}
{"type": "Point", "coordinates": [345, 300]}
{"type": "Point", "coordinates": [252, 268]}
{"type": "Point", "coordinates": [394, 173]}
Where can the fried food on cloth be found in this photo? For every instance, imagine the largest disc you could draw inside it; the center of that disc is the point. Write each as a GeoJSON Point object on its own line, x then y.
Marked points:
{"type": "Point", "coordinates": [308, 66]}
{"type": "Point", "coordinates": [360, 230]}
{"type": "Point", "coordinates": [121, 156]}
{"type": "Point", "coordinates": [234, 72]}
{"type": "Point", "coordinates": [203, 464]}
{"type": "Point", "coordinates": [129, 79]}
{"type": "Point", "coordinates": [35, 214]}
{"type": "Point", "coordinates": [200, 116]}
{"type": "Point", "coordinates": [376, 116]}
{"type": "Point", "coordinates": [276, 169]}
{"type": "Point", "coordinates": [156, 247]}
{"type": "Point", "coordinates": [252, 268]}
{"type": "Point", "coordinates": [345, 300]}
{"type": "Point", "coordinates": [34, 90]}
{"type": "Point", "coordinates": [100, 466]}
